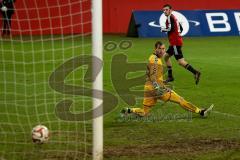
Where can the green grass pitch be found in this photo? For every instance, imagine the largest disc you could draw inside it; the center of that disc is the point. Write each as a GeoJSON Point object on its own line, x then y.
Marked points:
{"type": "Point", "coordinates": [26, 99]}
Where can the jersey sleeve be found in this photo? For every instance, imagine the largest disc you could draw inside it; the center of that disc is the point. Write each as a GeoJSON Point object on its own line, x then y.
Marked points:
{"type": "Point", "coordinates": [152, 69]}
{"type": "Point", "coordinates": [170, 26]}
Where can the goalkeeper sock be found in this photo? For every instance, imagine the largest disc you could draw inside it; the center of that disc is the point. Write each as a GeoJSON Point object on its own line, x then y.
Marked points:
{"type": "Point", "coordinates": [141, 111]}
{"type": "Point", "coordinates": [138, 111]}
{"type": "Point", "coordinates": [191, 69]}
{"type": "Point", "coordinates": [190, 107]}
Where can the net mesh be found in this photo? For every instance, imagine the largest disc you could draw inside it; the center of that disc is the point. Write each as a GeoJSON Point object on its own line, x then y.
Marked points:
{"type": "Point", "coordinates": [45, 34]}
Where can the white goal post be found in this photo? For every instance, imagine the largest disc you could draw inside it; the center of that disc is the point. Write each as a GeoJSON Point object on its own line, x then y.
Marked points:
{"type": "Point", "coordinates": [98, 83]}
{"type": "Point", "coordinates": [44, 68]}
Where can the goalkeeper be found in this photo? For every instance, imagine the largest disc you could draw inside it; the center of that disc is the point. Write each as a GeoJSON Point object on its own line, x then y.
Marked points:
{"type": "Point", "coordinates": [155, 89]}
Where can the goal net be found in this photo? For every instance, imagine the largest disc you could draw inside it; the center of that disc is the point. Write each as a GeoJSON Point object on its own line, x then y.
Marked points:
{"type": "Point", "coordinates": [42, 65]}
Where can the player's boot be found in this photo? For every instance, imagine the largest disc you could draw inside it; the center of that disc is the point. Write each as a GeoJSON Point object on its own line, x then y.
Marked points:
{"type": "Point", "coordinates": [126, 111]}
{"type": "Point", "coordinates": [169, 79]}
{"type": "Point", "coordinates": [206, 112]}
{"type": "Point", "coordinates": [197, 77]}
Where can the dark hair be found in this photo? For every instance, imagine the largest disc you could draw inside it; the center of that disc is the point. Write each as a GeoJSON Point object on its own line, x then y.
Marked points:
{"type": "Point", "coordinates": [167, 5]}
{"type": "Point", "coordinates": [158, 43]}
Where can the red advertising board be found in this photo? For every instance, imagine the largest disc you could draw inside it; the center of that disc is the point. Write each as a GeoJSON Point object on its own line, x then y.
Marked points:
{"type": "Point", "coordinates": [74, 16]}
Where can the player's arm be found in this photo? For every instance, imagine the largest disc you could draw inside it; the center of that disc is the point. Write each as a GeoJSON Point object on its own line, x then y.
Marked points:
{"type": "Point", "coordinates": [170, 26]}
{"type": "Point", "coordinates": [152, 74]}
{"type": "Point", "coordinates": [152, 70]}
{"type": "Point", "coordinates": [181, 28]}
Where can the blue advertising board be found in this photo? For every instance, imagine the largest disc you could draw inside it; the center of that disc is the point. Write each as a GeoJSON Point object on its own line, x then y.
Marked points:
{"type": "Point", "coordinates": [194, 22]}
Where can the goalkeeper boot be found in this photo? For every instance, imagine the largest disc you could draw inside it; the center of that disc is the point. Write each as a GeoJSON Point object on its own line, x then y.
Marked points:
{"type": "Point", "coordinates": [197, 77]}
{"type": "Point", "coordinates": [206, 112]}
{"type": "Point", "coordinates": [126, 111]}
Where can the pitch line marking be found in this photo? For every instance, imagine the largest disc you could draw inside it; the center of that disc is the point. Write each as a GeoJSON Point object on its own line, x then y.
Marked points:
{"type": "Point", "coordinates": [226, 114]}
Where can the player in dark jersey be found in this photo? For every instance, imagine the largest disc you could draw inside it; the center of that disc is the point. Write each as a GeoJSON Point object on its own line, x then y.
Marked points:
{"type": "Point", "coordinates": [174, 28]}
{"type": "Point", "coordinates": [7, 10]}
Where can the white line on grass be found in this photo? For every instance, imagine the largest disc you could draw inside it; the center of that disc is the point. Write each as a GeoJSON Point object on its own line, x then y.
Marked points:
{"type": "Point", "coordinates": [226, 114]}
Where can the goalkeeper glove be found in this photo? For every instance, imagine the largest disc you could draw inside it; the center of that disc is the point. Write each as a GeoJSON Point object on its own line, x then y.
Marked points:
{"type": "Point", "coordinates": [159, 90]}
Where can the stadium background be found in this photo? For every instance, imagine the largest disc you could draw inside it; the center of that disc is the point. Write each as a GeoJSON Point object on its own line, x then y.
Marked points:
{"type": "Point", "coordinates": [48, 18]}
{"type": "Point", "coordinates": [26, 98]}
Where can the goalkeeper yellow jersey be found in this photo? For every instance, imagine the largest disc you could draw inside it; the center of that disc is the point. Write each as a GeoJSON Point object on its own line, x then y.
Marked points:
{"type": "Point", "coordinates": [154, 69]}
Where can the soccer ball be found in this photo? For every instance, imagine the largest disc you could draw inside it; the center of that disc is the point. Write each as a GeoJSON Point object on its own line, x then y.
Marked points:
{"type": "Point", "coordinates": [40, 134]}
{"type": "Point", "coordinates": [4, 8]}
